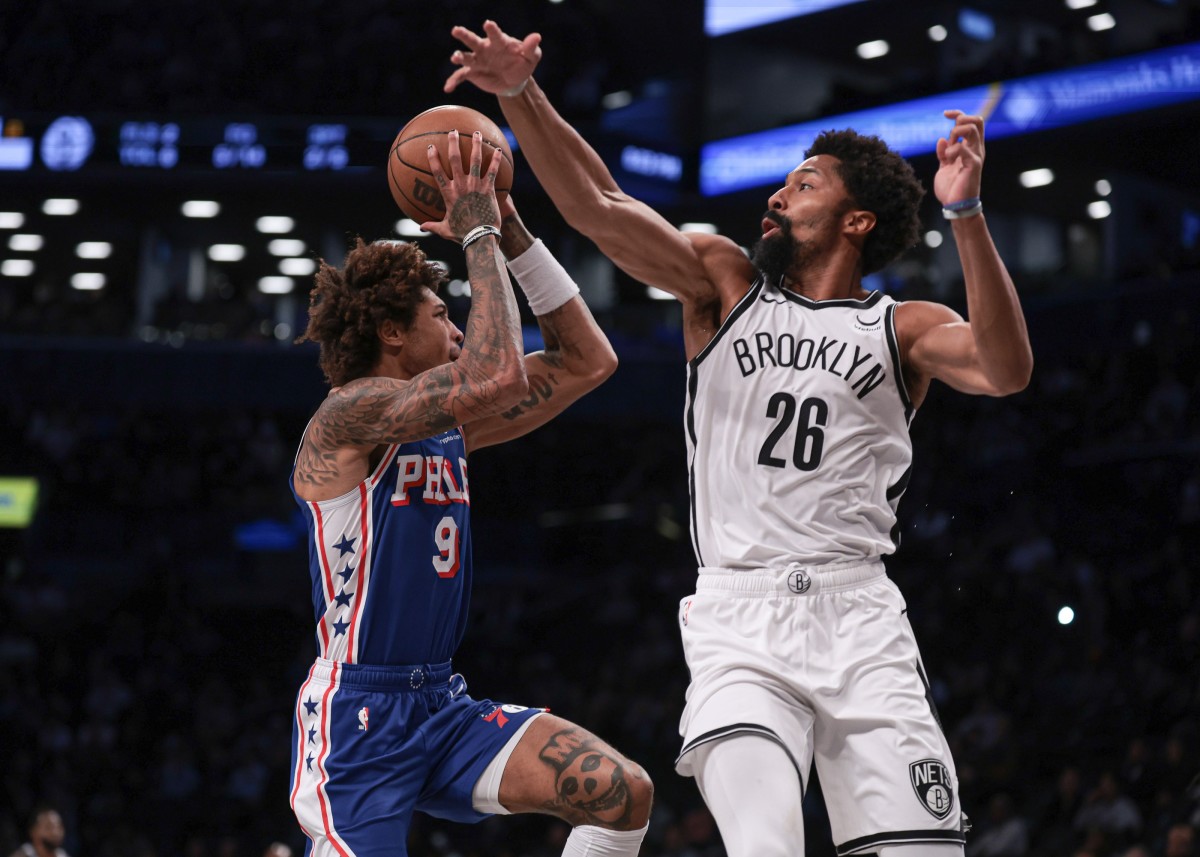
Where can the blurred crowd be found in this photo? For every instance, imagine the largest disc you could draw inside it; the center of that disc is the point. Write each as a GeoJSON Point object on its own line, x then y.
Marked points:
{"type": "Point", "coordinates": [149, 657]}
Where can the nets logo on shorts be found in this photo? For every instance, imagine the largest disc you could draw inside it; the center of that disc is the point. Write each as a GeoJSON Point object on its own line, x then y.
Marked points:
{"type": "Point", "coordinates": [799, 582]}
{"type": "Point", "coordinates": [931, 781]}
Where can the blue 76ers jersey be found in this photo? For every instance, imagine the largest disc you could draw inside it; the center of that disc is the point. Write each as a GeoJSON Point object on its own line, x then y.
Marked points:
{"type": "Point", "coordinates": [390, 560]}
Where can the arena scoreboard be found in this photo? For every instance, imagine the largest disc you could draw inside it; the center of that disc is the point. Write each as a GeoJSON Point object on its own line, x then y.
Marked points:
{"type": "Point", "coordinates": [128, 145]}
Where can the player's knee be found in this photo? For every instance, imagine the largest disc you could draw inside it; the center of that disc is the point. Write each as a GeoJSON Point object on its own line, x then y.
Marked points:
{"type": "Point", "coordinates": [641, 798]}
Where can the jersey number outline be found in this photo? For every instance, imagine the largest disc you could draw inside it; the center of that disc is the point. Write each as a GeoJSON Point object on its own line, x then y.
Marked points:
{"type": "Point", "coordinates": [810, 439]}
{"type": "Point", "coordinates": [446, 540]}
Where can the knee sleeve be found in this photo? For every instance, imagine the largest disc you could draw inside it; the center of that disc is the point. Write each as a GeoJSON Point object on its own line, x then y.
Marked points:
{"type": "Point", "coordinates": [754, 793]}
{"type": "Point", "coordinates": [590, 841]}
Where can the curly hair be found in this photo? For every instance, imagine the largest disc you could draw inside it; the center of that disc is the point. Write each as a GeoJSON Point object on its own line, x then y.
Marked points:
{"type": "Point", "coordinates": [378, 281]}
{"type": "Point", "coordinates": [882, 182]}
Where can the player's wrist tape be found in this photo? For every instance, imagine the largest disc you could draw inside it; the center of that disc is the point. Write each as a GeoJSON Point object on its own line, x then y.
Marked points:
{"type": "Point", "coordinates": [545, 282]}
{"type": "Point", "coordinates": [962, 208]}
{"type": "Point", "coordinates": [516, 90]}
{"type": "Point", "coordinates": [477, 233]}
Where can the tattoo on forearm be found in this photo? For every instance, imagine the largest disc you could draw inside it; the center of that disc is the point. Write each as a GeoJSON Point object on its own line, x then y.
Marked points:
{"type": "Point", "coordinates": [556, 349]}
{"type": "Point", "coordinates": [514, 237]}
{"type": "Point", "coordinates": [541, 388]}
{"type": "Point", "coordinates": [590, 780]}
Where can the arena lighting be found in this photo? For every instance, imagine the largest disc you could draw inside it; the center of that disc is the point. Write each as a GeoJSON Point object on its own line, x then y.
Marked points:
{"type": "Point", "coordinates": [872, 50]}
{"type": "Point", "coordinates": [60, 207]}
{"type": "Point", "coordinates": [93, 250]}
{"type": "Point", "coordinates": [409, 228]}
{"type": "Point", "coordinates": [1066, 616]}
{"type": "Point", "coordinates": [24, 242]}
{"type": "Point", "coordinates": [274, 225]}
{"type": "Point", "coordinates": [226, 252]}
{"type": "Point", "coordinates": [1080, 4]}
{"type": "Point", "coordinates": [1103, 21]}
{"type": "Point", "coordinates": [658, 294]}
{"type": "Point", "coordinates": [16, 267]}
{"type": "Point", "coordinates": [286, 247]}
{"type": "Point", "coordinates": [1099, 209]}
{"type": "Point", "coordinates": [706, 228]}
{"type": "Point", "coordinates": [297, 267]}
{"type": "Point", "coordinates": [937, 33]}
{"type": "Point", "coordinates": [617, 100]}
{"type": "Point", "coordinates": [276, 285]}
{"type": "Point", "coordinates": [729, 16]}
{"type": "Point", "coordinates": [1103, 187]}
{"type": "Point", "coordinates": [933, 238]}
{"type": "Point", "coordinates": [11, 220]}
{"type": "Point", "coordinates": [200, 208]}
{"type": "Point", "coordinates": [1024, 105]}
{"type": "Point", "coordinates": [1037, 178]}
{"type": "Point", "coordinates": [88, 281]}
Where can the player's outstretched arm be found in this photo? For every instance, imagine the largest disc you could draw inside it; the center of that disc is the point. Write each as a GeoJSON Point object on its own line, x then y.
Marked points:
{"type": "Point", "coordinates": [634, 236]}
{"type": "Point", "coordinates": [489, 375]}
{"type": "Point", "coordinates": [991, 354]}
{"type": "Point", "coordinates": [577, 357]}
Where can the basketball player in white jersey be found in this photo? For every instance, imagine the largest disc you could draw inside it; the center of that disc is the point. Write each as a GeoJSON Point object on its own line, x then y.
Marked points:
{"type": "Point", "coordinates": [801, 386]}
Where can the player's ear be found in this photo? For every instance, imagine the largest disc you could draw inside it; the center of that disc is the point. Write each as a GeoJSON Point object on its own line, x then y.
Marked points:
{"type": "Point", "coordinates": [858, 221]}
{"type": "Point", "coordinates": [390, 333]}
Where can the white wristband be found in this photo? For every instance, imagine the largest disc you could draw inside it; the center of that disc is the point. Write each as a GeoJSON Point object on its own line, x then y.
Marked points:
{"type": "Point", "coordinates": [515, 91]}
{"type": "Point", "coordinates": [544, 281]}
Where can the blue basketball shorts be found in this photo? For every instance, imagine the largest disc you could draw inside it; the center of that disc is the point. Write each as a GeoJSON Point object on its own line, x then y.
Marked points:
{"type": "Point", "coordinates": [371, 744]}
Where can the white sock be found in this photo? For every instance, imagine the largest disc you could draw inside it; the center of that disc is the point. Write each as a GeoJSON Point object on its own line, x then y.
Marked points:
{"type": "Point", "coordinates": [590, 841]}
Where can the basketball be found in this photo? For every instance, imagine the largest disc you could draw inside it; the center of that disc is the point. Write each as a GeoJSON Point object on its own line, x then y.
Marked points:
{"type": "Point", "coordinates": [409, 177]}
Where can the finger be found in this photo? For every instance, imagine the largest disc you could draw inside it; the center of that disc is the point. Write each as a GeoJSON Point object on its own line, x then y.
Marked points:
{"type": "Point", "coordinates": [966, 133]}
{"type": "Point", "coordinates": [530, 47]}
{"type": "Point", "coordinates": [454, 155]}
{"type": "Point", "coordinates": [435, 165]}
{"type": "Point", "coordinates": [455, 79]}
{"type": "Point", "coordinates": [467, 37]}
{"type": "Point", "coordinates": [460, 58]}
{"type": "Point", "coordinates": [476, 154]}
{"type": "Point", "coordinates": [942, 145]}
{"type": "Point", "coordinates": [493, 30]}
{"type": "Point", "coordinates": [494, 167]}
{"type": "Point", "coordinates": [438, 227]}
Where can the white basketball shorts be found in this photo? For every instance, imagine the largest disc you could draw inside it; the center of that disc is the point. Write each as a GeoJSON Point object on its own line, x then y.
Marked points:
{"type": "Point", "coordinates": [822, 659]}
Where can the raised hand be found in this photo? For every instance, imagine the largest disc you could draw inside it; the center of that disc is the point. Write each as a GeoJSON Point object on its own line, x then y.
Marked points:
{"type": "Point", "coordinates": [961, 158]}
{"type": "Point", "coordinates": [495, 62]}
{"type": "Point", "coordinates": [470, 195]}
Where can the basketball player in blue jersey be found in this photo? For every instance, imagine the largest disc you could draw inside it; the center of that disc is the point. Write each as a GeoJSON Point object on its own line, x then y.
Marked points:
{"type": "Point", "coordinates": [801, 387]}
{"type": "Point", "coordinates": [382, 727]}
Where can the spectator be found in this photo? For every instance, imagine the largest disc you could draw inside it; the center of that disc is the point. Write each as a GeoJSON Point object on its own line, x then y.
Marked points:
{"type": "Point", "coordinates": [46, 834]}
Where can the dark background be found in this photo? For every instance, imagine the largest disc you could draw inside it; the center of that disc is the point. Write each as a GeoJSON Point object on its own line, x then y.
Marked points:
{"type": "Point", "coordinates": [154, 619]}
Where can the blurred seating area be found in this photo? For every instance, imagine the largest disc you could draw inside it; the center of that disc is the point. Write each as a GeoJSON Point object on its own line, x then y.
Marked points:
{"type": "Point", "coordinates": [151, 647]}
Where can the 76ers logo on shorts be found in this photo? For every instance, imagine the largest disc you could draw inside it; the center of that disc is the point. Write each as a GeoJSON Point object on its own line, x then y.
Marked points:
{"type": "Point", "coordinates": [931, 781]}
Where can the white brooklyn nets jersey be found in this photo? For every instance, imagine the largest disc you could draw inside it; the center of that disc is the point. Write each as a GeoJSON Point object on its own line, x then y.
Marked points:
{"type": "Point", "coordinates": [797, 432]}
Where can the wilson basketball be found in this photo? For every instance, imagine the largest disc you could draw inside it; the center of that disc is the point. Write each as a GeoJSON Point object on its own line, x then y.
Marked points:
{"type": "Point", "coordinates": [412, 184]}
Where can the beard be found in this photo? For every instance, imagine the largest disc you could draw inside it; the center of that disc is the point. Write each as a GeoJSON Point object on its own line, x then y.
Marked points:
{"type": "Point", "coordinates": [781, 254]}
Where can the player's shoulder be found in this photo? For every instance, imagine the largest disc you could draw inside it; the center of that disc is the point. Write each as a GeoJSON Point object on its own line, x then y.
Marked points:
{"type": "Point", "coordinates": [725, 263]}
{"type": "Point", "coordinates": [718, 250]}
{"type": "Point", "coordinates": [915, 317]}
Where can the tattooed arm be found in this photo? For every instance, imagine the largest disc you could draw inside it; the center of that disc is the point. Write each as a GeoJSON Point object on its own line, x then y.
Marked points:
{"type": "Point", "coordinates": [487, 378]}
{"type": "Point", "coordinates": [577, 357]}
